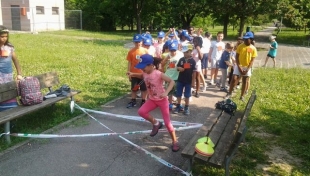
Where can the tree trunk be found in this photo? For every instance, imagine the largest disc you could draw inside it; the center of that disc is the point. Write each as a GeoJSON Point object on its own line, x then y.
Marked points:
{"type": "Point", "coordinates": [226, 22]}
{"type": "Point", "coordinates": [241, 26]}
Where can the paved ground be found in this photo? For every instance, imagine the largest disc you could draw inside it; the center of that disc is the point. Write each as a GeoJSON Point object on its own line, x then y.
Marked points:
{"type": "Point", "coordinates": [111, 155]}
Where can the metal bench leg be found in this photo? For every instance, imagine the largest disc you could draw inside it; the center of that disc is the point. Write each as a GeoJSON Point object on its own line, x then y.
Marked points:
{"type": "Point", "coordinates": [7, 130]}
{"type": "Point", "coordinates": [227, 162]}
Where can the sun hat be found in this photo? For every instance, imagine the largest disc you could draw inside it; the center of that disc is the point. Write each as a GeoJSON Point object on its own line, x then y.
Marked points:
{"type": "Point", "coordinates": [187, 47]}
{"type": "Point", "coordinates": [272, 37]}
{"type": "Point", "coordinates": [161, 34]}
{"type": "Point", "coordinates": [248, 35]}
{"type": "Point", "coordinates": [137, 38]}
{"type": "Point", "coordinates": [147, 41]}
{"type": "Point", "coordinates": [145, 60]}
{"type": "Point", "coordinates": [173, 45]}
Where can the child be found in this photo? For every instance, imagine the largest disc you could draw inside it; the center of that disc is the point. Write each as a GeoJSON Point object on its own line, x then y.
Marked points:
{"type": "Point", "coordinates": [272, 51]}
{"type": "Point", "coordinates": [224, 63]}
{"type": "Point", "coordinates": [147, 44]}
{"type": "Point", "coordinates": [133, 58]}
{"type": "Point", "coordinates": [157, 96]}
{"type": "Point", "coordinates": [186, 66]}
{"type": "Point", "coordinates": [206, 44]}
{"type": "Point", "coordinates": [160, 44]}
{"type": "Point", "coordinates": [197, 56]}
{"type": "Point", "coordinates": [170, 63]}
{"type": "Point", "coordinates": [215, 54]}
{"type": "Point", "coordinates": [245, 56]}
{"type": "Point", "coordinates": [7, 55]}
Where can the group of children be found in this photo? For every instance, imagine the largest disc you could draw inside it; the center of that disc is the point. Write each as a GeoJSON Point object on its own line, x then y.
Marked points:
{"type": "Point", "coordinates": [182, 61]}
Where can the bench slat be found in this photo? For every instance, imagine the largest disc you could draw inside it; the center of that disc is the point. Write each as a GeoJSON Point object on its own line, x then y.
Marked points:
{"type": "Point", "coordinates": [189, 150]}
{"type": "Point", "coordinates": [19, 111]}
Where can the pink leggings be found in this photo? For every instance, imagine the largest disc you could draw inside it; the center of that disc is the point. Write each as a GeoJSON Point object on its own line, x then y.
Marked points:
{"type": "Point", "coordinates": [150, 105]}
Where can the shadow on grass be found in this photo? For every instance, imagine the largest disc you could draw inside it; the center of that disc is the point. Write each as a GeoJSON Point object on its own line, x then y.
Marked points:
{"type": "Point", "coordinates": [106, 42]}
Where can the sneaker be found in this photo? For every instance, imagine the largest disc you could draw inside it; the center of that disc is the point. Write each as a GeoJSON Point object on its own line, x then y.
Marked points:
{"type": "Point", "coordinates": [175, 147]}
{"type": "Point", "coordinates": [238, 87]}
{"type": "Point", "coordinates": [142, 102]}
{"type": "Point", "coordinates": [212, 83]}
{"type": "Point", "coordinates": [223, 89]}
{"type": "Point", "coordinates": [156, 128]}
{"type": "Point", "coordinates": [246, 92]}
{"type": "Point", "coordinates": [190, 99]}
{"type": "Point", "coordinates": [131, 104]}
{"type": "Point", "coordinates": [178, 109]}
{"type": "Point", "coordinates": [218, 85]}
{"type": "Point", "coordinates": [170, 106]}
{"type": "Point", "coordinates": [186, 111]}
{"type": "Point", "coordinates": [228, 95]}
{"type": "Point", "coordinates": [197, 95]}
{"type": "Point", "coordinates": [139, 94]}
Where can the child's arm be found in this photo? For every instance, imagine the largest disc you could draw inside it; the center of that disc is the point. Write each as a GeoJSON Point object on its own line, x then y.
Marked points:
{"type": "Point", "coordinates": [17, 66]}
{"type": "Point", "coordinates": [137, 75]}
{"type": "Point", "coordinates": [170, 86]}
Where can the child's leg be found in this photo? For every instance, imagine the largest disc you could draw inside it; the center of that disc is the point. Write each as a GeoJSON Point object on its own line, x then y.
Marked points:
{"type": "Point", "coordinates": [215, 74]}
{"type": "Point", "coordinates": [223, 77]}
{"type": "Point", "coordinates": [144, 110]}
{"type": "Point", "coordinates": [274, 62]}
{"type": "Point", "coordinates": [163, 105]}
{"type": "Point", "coordinates": [245, 82]}
{"type": "Point", "coordinates": [266, 60]}
{"type": "Point", "coordinates": [197, 78]}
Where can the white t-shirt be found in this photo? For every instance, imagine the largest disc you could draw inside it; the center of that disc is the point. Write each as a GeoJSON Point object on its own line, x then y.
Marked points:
{"type": "Point", "coordinates": [206, 44]}
{"type": "Point", "coordinates": [218, 49]}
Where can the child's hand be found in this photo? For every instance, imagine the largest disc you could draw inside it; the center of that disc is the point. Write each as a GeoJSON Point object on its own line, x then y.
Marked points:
{"type": "Point", "coordinates": [19, 77]}
{"type": "Point", "coordinates": [181, 69]}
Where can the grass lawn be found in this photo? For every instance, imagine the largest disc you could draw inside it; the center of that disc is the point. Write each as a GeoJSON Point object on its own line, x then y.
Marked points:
{"type": "Point", "coordinates": [291, 36]}
{"type": "Point", "coordinates": [97, 68]}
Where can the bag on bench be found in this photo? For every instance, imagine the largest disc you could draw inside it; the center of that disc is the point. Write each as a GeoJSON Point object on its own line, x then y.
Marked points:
{"type": "Point", "coordinates": [29, 91]}
{"type": "Point", "coordinates": [227, 106]}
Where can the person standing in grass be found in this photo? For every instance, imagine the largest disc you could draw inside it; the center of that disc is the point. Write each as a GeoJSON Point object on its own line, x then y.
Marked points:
{"type": "Point", "coordinates": [215, 53]}
{"type": "Point", "coordinates": [154, 79]}
{"type": "Point", "coordinates": [225, 63]}
{"type": "Point", "coordinates": [245, 55]}
{"type": "Point", "coordinates": [133, 58]}
{"type": "Point", "coordinates": [272, 51]}
{"type": "Point", "coordinates": [7, 56]}
{"type": "Point", "coordinates": [185, 66]}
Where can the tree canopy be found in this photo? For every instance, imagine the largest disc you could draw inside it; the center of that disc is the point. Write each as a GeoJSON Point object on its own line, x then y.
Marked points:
{"type": "Point", "coordinates": [107, 15]}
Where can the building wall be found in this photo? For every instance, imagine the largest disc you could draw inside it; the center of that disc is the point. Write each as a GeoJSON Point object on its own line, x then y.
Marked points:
{"type": "Point", "coordinates": [33, 21]}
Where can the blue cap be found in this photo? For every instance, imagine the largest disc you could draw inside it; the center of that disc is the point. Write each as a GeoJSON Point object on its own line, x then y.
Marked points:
{"type": "Point", "coordinates": [147, 41]}
{"type": "Point", "coordinates": [167, 43]}
{"type": "Point", "coordinates": [145, 60]}
{"type": "Point", "coordinates": [173, 45]}
{"type": "Point", "coordinates": [146, 36]}
{"type": "Point", "coordinates": [137, 38]}
{"type": "Point", "coordinates": [172, 34]}
{"type": "Point", "coordinates": [248, 35]}
{"type": "Point", "coordinates": [161, 34]}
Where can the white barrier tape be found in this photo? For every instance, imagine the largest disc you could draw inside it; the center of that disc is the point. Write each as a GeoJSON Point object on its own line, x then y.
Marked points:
{"type": "Point", "coordinates": [47, 136]}
{"type": "Point", "coordinates": [137, 118]}
{"type": "Point", "coordinates": [138, 147]}
{"type": "Point", "coordinates": [2, 134]}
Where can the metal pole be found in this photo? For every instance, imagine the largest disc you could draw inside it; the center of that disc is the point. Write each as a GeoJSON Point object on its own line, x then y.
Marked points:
{"type": "Point", "coordinates": [6, 130]}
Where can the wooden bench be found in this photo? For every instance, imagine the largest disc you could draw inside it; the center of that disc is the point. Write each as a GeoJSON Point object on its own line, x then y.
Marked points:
{"type": "Point", "coordinates": [9, 91]}
{"type": "Point", "coordinates": [226, 131]}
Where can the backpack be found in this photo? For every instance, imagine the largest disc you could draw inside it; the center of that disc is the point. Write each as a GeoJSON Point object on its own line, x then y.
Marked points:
{"type": "Point", "coordinates": [29, 91]}
{"type": "Point", "coordinates": [227, 106]}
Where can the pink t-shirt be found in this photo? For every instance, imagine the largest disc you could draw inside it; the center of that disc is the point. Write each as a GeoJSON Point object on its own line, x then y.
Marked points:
{"type": "Point", "coordinates": [154, 84]}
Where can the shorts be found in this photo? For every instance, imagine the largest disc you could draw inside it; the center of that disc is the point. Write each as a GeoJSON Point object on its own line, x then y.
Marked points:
{"type": "Point", "coordinates": [268, 55]}
{"type": "Point", "coordinates": [204, 61]}
{"type": "Point", "coordinates": [136, 81]}
{"type": "Point", "coordinates": [173, 90]}
{"type": "Point", "coordinates": [187, 89]}
{"type": "Point", "coordinates": [198, 66]}
{"type": "Point", "coordinates": [215, 63]}
{"type": "Point", "coordinates": [236, 71]}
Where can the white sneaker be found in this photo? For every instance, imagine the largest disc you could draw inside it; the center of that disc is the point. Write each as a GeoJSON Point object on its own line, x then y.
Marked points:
{"type": "Point", "coordinates": [190, 99]}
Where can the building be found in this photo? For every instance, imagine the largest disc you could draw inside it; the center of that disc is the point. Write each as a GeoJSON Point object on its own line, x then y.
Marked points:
{"type": "Point", "coordinates": [32, 15]}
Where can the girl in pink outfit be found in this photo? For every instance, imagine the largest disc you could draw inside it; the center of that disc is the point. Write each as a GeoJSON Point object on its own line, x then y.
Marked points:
{"type": "Point", "coordinates": [154, 79]}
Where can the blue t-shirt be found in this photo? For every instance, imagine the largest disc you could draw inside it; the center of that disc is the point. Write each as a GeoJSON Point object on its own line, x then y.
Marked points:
{"type": "Point", "coordinates": [225, 57]}
{"type": "Point", "coordinates": [273, 51]}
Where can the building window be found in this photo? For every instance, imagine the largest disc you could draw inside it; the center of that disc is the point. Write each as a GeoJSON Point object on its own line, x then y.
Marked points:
{"type": "Point", "coordinates": [55, 10]}
{"type": "Point", "coordinates": [39, 9]}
